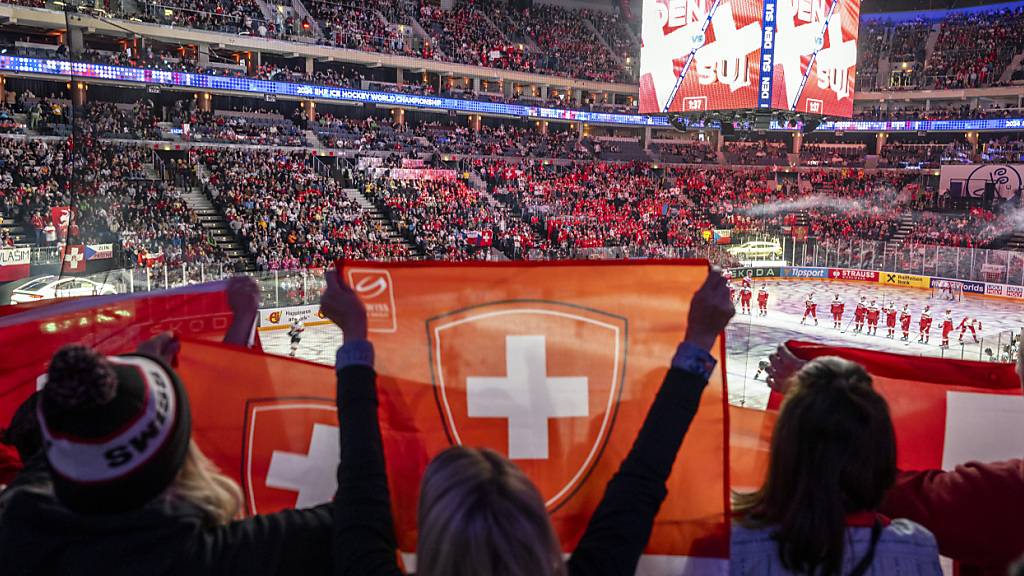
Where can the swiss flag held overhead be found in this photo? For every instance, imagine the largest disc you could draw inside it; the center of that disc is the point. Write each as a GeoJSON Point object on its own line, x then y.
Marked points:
{"type": "Point", "coordinates": [116, 324]}
{"type": "Point", "coordinates": [553, 365]}
{"type": "Point", "coordinates": [946, 412]}
{"type": "Point", "coordinates": [61, 218]}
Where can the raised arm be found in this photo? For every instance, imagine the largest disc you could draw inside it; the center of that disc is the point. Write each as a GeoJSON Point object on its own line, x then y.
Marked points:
{"type": "Point", "coordinates": [620, 527]}
{"type": "Point", "coordinates": [364, 534]}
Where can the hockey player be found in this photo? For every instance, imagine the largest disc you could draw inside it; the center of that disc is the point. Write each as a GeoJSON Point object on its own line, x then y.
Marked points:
{"type": "Point", "coordinates": [925, 326]}
{"type": "Point", "coordinates": [969, 324]}
{"type": "Point", "coordinates": [762, 301]}
{"type": "Point", "coordinates": [762, 366]}
{"type": "Point", "coordinates": [905, 323]}
{"type": "Point", "coordinates": [890, 320]}
{"type": "Point", "coordinates": [947, 327]}
{"type": "Point", "coordinates": [859, 313]}
{"type": "Point", "coordinates": [730, 285]}
{"type": "Point", "coordinates": [295, 331]}
{"type": "Point", "coordinates": [837, 309]}
{"type": "Point", "coordinates": [746, 293]}
{"type": "Point", "coordinates": [810, 309]}
{"type": "Point", "coordinates": [873, 315]}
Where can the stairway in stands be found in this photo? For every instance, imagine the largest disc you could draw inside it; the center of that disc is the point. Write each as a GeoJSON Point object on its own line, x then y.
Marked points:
{"type": "Point", "coordinates": [1016, 242]}
{"type": "Point", "coordinates": [906, 227]}
{"type": "Point", "coordinates": [378, 219]}
{"type": "Point", "coordinates": [213, 221]}
{"type": "Point", "coordinates": [21, 232]}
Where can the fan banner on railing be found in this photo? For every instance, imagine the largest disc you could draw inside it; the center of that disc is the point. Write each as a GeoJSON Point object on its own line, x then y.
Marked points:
{"type": "Point", "coordinates": [31, 333]}
{"type": "Point", "coordinates": [946, 412]}
{"type": "Point", "coordinates": [473, 354]}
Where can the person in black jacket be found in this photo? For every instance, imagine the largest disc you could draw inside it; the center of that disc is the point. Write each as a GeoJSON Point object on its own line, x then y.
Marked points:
{"type": "Point", "coordinates": [478, 514]}
{"type": "Point", "coordinates": [121, 488]}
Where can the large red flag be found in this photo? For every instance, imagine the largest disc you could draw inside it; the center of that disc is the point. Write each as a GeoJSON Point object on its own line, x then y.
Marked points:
{"type": "Point", "coordinates": [31, 333]}
{"type": "Point", "coordinates": [946, 412]}
{"type": "Point", "coordinates": [448, 337]}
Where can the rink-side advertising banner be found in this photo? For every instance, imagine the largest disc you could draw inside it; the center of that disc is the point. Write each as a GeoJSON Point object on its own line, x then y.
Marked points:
{"type": "Point", "coordinates": [280, 318]}
{"type": "Point", "coordinates": [553, 365]}
{"type": "Point", "coordinates": [946, 412]}
{"type": "Point", "coordinates": [15, 263]}
{"type": "Point", "coordinates": [31, 333]}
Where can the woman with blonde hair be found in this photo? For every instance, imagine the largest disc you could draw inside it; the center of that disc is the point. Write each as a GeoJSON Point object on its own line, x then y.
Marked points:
{"type": "Point", "coordinates": [833, 457]}
{"type": "Point", "coordinates": [479, 515]}
{"type": "Point", "coordinates": [125, 490]}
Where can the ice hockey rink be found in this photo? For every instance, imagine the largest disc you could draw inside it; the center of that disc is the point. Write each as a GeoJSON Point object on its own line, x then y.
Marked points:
{"type": "Point", "coordinates": [750, 339]}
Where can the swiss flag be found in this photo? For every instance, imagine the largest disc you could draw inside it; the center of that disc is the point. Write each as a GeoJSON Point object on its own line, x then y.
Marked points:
{"type": "Point", "coordinates": [946, 412]}
{"type": "Point", "coordinates": [74, 258]}
{"type": "Point", "coordinates": [61, 218]}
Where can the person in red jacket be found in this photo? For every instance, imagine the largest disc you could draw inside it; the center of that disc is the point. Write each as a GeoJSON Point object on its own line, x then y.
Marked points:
{"type": "Point", "coordinates": [969, 324]}
{"type": "Point", "coordinates": [762, 301]}
{"type": "Point", "coordinates": [947, 328]}
{"type": "Point", "coordinates": [873, 315]}
{"type": "Point", "coordinates": [905, 323]}
{"type": "Point", "coordinates": [859, 313]}
{"type": "Point", "coordinates": [890, 320]}
{"type": "Point", "coordinates": [810, 309]}
{"type": "Point", "coordinates": [837, 312]}
{"type": "Point", "coordinates": [924, 326]}
{"type": "Point", "coordinates": [746, 293]}
{"type": "Point", "coordinates": [987, 498]}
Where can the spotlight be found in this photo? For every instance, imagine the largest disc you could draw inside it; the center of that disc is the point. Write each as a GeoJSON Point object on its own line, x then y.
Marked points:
{"type": "Point", "coordinates": [810, 125]}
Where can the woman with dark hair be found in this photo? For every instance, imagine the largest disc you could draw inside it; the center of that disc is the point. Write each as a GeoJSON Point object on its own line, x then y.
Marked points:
{"type": "Point", "coordinates": [478, 512]}
{"type": "Point", "coordinates": [833, 457]}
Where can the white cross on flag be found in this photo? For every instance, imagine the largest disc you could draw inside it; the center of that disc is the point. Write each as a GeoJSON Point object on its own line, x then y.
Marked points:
{"type": "Point", "coordinates": [73, 258]}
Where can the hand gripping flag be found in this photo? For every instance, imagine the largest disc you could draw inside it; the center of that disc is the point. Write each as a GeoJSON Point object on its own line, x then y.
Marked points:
{"type": "Point", "coordinates": [553, 365]}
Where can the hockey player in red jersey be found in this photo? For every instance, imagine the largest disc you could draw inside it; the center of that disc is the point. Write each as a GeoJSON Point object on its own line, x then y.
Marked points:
{"type": "Point", "coordinates": [859, 313]}
{"type": "Point", "coordinates": [730, 285]}
{"type": "Point", "coordinates": [970, 324]}
{"type": "Point", "coordinates": [890, 320]}
{"type": "Point", "coordinates": [947, 327]}
{"type": "Point", "coordinates": [873, 316]}
{"type": "Point", "coordinates": [905, 323]}
{"type": "Point", "coordinates": [810, 309]}
{"type": "Point", "coordinates": [924, 326]}
{"type": "Point", "coordinates": [762, 301]}
{"type": "Point", "coordinates": [746, 293]}
{"type": "Point", "coordinates": [837, 309]}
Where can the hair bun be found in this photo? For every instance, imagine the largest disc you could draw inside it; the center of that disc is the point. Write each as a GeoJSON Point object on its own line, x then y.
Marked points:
{"type": "Point", "coordinates": [80, 377]}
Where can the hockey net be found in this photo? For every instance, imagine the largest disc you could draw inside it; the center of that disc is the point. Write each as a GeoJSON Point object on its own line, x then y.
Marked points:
{"type": "Point", "coordinates": [948, 290]}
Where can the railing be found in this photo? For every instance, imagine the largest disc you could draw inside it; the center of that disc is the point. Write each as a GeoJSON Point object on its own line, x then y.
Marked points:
{"type": "Point", "coordinates": [968, 264]}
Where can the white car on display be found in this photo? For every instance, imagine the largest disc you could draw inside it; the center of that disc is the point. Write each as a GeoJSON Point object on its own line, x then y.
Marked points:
{"type": "Point", "coordinates": [757, 251]}
{"type": "Point", "coordinates": [46, 287]}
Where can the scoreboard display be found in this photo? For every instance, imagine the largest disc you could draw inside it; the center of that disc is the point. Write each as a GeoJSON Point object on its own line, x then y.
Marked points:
{"type": "Point", "coordinates": [705, 55]}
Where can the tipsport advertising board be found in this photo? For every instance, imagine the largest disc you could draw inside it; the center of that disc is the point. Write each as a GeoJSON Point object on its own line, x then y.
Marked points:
{"type": "Point", "coordinates": [797, 55]}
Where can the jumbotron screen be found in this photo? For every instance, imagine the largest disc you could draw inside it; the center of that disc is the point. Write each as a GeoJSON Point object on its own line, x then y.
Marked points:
{"type": "Point", "coordinates": [796, 55]}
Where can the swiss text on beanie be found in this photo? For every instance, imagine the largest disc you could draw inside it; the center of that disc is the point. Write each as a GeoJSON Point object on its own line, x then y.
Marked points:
{"type": "Point", "coordinates": [116, 429]}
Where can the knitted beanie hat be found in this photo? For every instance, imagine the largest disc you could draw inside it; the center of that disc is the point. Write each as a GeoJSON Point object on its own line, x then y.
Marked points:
{"type": "Point", "coordinates": [115, 429]}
